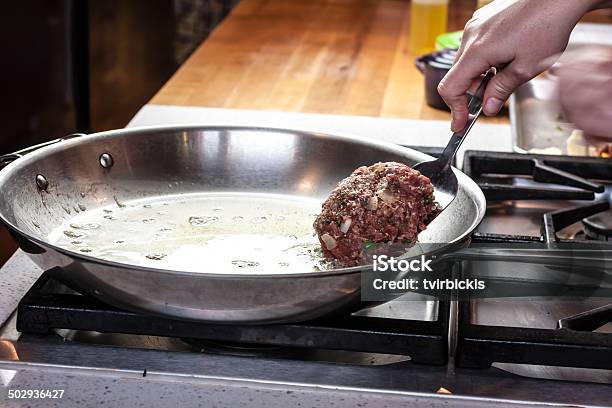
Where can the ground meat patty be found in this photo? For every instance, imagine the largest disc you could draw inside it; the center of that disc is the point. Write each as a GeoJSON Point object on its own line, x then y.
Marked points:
{"type": "Point", "coordinates": [382, 203]}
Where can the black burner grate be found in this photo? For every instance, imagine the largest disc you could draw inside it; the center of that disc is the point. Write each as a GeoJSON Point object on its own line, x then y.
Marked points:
{"type": "Point", "coordinates": [574, 343]}
{"type": "Point", "coordinates": [577, 172]}
{"type": "Point", "coordinates": [580, 173]}
{"type": "Point", "coordinates": [46, 307]}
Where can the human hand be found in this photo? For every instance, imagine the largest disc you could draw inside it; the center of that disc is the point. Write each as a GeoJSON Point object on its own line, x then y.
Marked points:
{"type": "Point", "coordinates": [585, 91]}
{"type": "Point", "coordinates": [519, 36]}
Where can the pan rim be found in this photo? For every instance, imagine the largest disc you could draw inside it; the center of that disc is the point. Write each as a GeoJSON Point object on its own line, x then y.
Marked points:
{"type": "Point", "coordinates": [473, 191]}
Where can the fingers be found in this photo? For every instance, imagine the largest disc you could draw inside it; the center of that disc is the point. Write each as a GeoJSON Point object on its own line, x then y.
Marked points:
{"type": "Point", "coordinates": [455, 84]}
{"type": "Point", "coordinates": [462, 77]}
{"type": "Point", "coordinates": [499, 89]}
{"type": "Point", "coordinates": [502, 86]}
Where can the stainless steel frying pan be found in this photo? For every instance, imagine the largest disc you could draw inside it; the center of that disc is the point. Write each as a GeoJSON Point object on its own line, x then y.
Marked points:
{"type": "Point", "coordinates": [46, 187]}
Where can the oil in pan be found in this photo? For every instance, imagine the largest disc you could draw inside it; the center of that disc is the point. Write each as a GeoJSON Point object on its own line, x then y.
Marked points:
{"type": "Point", "coordinates": [204, 232]}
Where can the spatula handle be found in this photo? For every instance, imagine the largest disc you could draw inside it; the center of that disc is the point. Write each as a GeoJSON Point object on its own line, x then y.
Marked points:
{"type": "Point", "coordinates": [475, 109]}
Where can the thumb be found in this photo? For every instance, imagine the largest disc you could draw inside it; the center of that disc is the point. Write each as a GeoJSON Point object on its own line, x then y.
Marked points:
{"type": "Point", "coordinates": [501, 87]}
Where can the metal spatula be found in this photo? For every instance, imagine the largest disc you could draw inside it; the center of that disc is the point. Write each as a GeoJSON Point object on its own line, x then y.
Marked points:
{"type": "Point", "coordinates": [439, 171]}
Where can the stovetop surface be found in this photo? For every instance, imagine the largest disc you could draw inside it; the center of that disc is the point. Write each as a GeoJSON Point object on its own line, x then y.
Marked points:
{"type": "Point", "coordinates": [79, 348]}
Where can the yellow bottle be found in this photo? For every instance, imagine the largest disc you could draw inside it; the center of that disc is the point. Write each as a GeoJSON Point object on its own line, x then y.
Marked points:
{"type": "Point", "coordinates": [427, 20]}
{"type": "Point", "coordinates": [482, 3]}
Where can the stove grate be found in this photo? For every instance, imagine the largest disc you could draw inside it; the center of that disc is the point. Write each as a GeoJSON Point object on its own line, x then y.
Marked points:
{"type": "Point", "coordinates": [575, 172]}
{"type": "Point", "coordinates": [47, 307]}
{"type": "Point", "coordinates": [573, 344]}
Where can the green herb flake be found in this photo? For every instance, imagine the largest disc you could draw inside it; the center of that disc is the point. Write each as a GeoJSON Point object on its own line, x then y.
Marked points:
{"type": "Point", "coordinates": [368, 245]}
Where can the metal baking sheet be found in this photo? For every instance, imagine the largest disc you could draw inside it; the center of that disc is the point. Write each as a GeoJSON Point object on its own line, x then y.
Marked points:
{"type": "Point", "coordinates": [536, 119]}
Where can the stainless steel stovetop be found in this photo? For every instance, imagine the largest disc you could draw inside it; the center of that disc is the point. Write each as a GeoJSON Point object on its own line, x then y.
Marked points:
{"type": "Point", "coordinates": [335, 375]}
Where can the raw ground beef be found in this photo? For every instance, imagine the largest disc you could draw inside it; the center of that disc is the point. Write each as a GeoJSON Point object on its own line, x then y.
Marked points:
{"type": "Point", "coordinates": [382, 203]}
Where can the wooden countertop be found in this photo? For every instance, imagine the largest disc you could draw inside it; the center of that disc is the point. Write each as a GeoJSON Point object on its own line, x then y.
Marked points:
{"type": "Point", "coordinates": [319, 56]}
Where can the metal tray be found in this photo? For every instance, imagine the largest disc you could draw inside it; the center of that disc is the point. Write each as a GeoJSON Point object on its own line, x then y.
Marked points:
{"type": "Point", "coordinates": [536, 119]}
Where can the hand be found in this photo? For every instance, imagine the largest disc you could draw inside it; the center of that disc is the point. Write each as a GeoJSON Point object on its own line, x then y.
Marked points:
{"type": "Point", "coordinates": [585, 91]}
{"type": "Point", "coordinates": [519, 36]}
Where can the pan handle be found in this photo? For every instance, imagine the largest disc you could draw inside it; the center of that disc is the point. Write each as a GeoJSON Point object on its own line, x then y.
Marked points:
{"type": "Point", "coordinates": [579, 258]}
{"type": "Point", "coordinates": [6, 159]}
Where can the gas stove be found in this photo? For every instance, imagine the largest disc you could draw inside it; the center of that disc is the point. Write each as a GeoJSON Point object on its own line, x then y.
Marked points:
{"type": "Point", "coordinates": [547, 202]}
{"type": "Point", "coordinates": [468, 352]}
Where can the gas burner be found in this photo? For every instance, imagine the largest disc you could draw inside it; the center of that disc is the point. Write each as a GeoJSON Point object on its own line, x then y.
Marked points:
{"type": "Point", "coordinates": [236, 349]}
{"type": "Point", "coordinates": [599, 226]}
{"type": "Point", "coordinates": [239, 349]}
{"type": "Point", "coordinates": [568, 219]}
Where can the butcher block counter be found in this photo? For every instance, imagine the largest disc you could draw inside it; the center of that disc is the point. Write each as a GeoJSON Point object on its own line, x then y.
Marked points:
{"type": "Point", "coordinates": [346, 57]}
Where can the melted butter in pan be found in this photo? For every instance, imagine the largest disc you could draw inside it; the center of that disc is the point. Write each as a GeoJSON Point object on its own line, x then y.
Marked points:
{"type": "Point", "coordinates": [212, 233]}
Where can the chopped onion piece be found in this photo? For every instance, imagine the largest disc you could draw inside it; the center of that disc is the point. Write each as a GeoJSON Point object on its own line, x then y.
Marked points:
{"type": "Point", "coordinates": [373, 203]}
{"type": "Point", "coordinates": [329, 241]}
{"type": "Point", "coordinates": [386, 196]}
{"type": "Point", "coordinates": [346, 224]}
{"type": "Point", "coordinates": [378, 166]}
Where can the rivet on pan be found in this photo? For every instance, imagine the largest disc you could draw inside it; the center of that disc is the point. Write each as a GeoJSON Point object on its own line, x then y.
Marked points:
{"type": "Point", "coordinates": [106, 160]}
{"type": "Point", "coordinates": [41, 182]}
